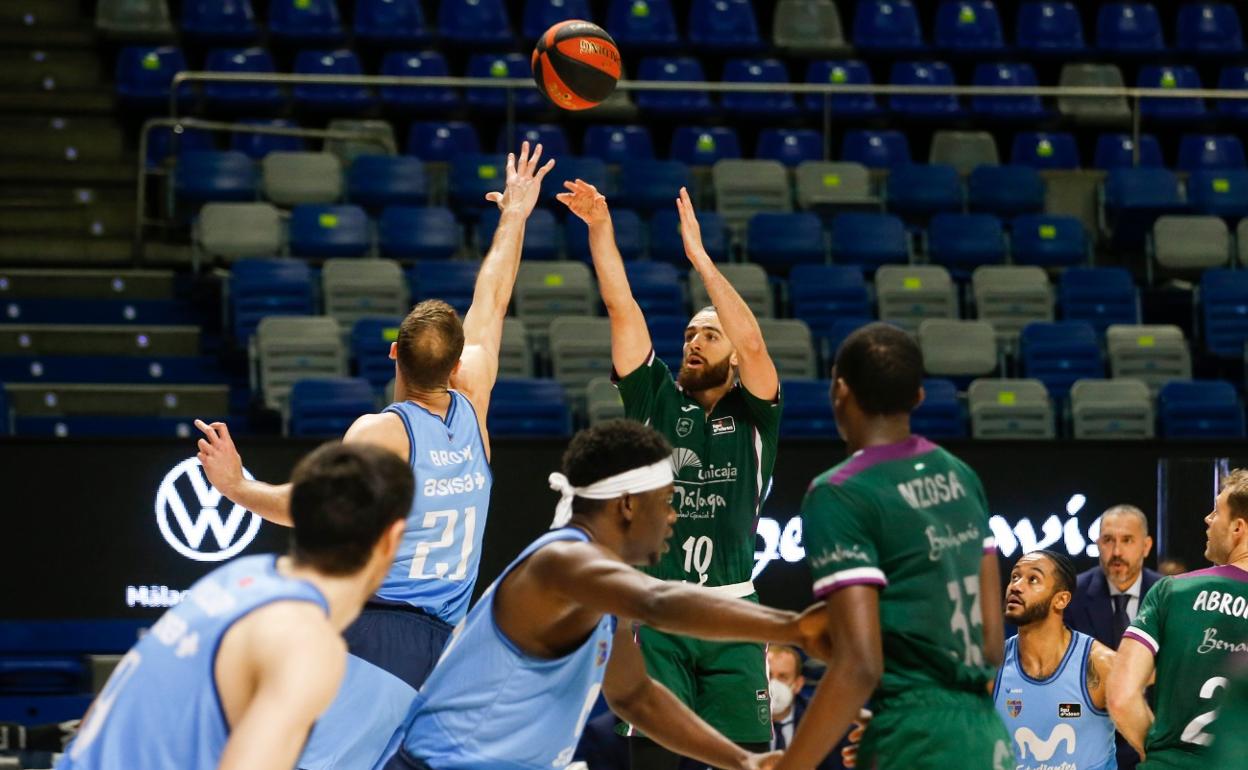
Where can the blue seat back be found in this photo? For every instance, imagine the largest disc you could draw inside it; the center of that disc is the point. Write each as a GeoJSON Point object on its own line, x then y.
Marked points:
{"type": "Point", "coordinates": [541, 233]}
{"type": "Point", "coordinates": [1219, 192]}
{"type": "Point", "coordinates": [876, 149]}
{"type": "Point", "coordinates": [541, 15]}
{"type": "Point", "coordinates": [423, 64]}
{"type": "Point", "coordinates": [869, 240]}
{"type": "Point", "coordinates": [1059, 354]}
{"type": "Point", "coordinates": [396, 21]}
{"type": "Point", "coordinates": [370, 349]}
{"type": "Point", "coordinates": [922, 190]}
{"type": "Point", "coordinates": [511, 65]}
{"type": "Point", "coordinates": [941, 415]}
{"type": "Point", "coordinates": [376, 181]}
{"type": "Point", "coordinates": [474, 21]}
{"type": "Point", "coordinates": [1224, 311]}
{"type": "Point", "coordinates": [1233, 79]}
{"type": "Point", "coordinates": [305, 21]}
{"type": "Point", "coordinates": [241, 95]}
{"type": "Point", "coordinates": [642, 22]}
{"type": "Point", "coordinates": [629, 237]}
{"type": "Point", "coordinates": [667, 246]}
{"type": "Point", "coordinates": [529, 407]}
{"type": "Point", "coordinates": [1118, 151]}
{"type": "Point", "coordinates": [266, 287]}
{"type": "Point", "coordinates": [887, 26]}
{"type": "Point", "coordinates": [1129, 28]}
{"type": "Point", "coordinates": [473, 175]}
{"type": "Point", "coordinates": [550, 135]}
{"type": "Point", "coordinates": [655, 286]}
{"type": "Point", "coordinates": [322, 231]}
{"type": "Point", "coordinates": [723, 24]}
{"type": "Point", "coordinates": [1102, 296]}
{"type": "Point", "coordinates": [703, 146]}
{"type": "Point", "coordinates": [966, 240]}
{"type": "Point", "coordinates": [1200, 409]}
{"type": "Point", "coordinates": [1049, 240]}
{"type": "Point", "coordinates": [926, 73]}
{"type": "Point", "coordinates": [452, 281]}
{"type": "Point", "coordinates": [1167, 77]}
{"type": "Point", "coordinates": [808, 410]}
{"type": "Point", "coordinates": [326, 406]}
{"type": "Point", "coordinates": [667, 334]}
{"type": "Point", "coordinates": [256, 146]}
{"type": "Point", "coordinates": [1050, 28]}
{"type": "Point", "coordinates": [757, 71]}
{"type": "Point", "coordinates": [1007, 75]}
{"type": "Point", "coordinates": [1211, 151]}
{"type": "Point", "coordinates": [780, 241]}
{"type": "Point", "coordinates": [823, 295]}
{"type": "Point", "coordinates": [652, 185]}
{"type": "Point", "coordinates": [1005, 190]}
{"type": "Point", "coordinates": [439, 141]}
{"type": "Point", "coordinates": [1209, 29]}
{"type": "Point", "coordinates": [681, 68]}
{"type": "Point", "coordinates": [618, 144]}
{"type": "Point", "coordinates": [1142, 188]}
{"type": "Point", "coordinates": [339, 62]}
{"type": "Point", "coordinates": [842, 72]}
{"type": "Point", "coordinates": [208, 175]}
{"type": "Point", "coordinates": [163, 143]}
{"type": "Point", "coordinates": [219, 19]}
{"type": "Point", "coordinates": [969, 25]}
{"type": "Point", "coordinates": [571, 168]}
{"type": "Point", "coordinates": [789, 146]}
{"type": "Point", "coordinates": [145, 73]}
{"type": "Point", "coordinates": [1045, 150]}
{"type": "Point", "coordinates": [410, 232]}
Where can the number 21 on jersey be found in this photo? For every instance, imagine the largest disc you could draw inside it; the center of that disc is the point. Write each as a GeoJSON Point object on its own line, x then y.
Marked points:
{"type": "Point", "coordinates": [443, 545]}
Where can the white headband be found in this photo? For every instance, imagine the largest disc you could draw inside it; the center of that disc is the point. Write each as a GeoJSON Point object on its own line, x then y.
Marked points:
{"type": "Point", "coordinates": [634, 481]}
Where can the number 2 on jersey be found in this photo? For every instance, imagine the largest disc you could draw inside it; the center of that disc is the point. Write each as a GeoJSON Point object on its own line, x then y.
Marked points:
{"type": "Point", "coordinates": [423, 549]}
{"type": "Point", "coordinates": [1195, 730]}
{"type": "Point", "coordinates": [960, 623]}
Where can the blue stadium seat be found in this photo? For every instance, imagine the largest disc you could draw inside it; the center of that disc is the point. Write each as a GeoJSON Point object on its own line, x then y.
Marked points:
{"type": "Point", "coordinates": [876, 149]}
{"type": "Point", "coordinates": [452, 281]}
{"type": "Point", "coordinates": [370, 349]}
{"type": "Point", "coordinates": [703, 146]}
{"type": "Point", "coordinates": [391, 22]}
{"type": "Point", "coordinates": [1134, 198]}
{"type": "Point", "coordinates": [325, 97]}
{"type": "Point", "coordinates": [98, 311]}
{"type": "Point", "coordinates": [219, 21]}
{"type": "Point", "coordinates": [326, 406]}
{"type": "Point", "coordinates": [541, 15]}
{"type": "Point", "coordinates": [229, 97]}
{"type": "Point", "coordinates": [108, 426]}
{"type": "Point", "coordinates": [778, 242]}
{"type": "Point", "coordinates": [1049, 28]}
{"type": "Point", "coordinates": [1202, 409]}
{"type": "Point", "coordinates": [529, 407]}
{"type": "Point", "coordinates": [921, 190]}
{"type": "Point", "coordinates": [789, 146]}
{"type": "Point", "coordinates": [667, 335]}
{"type": "Point", "coordinates": [723, 25]}
{"type": "Point", "coordinates": [913, 73]}
{"type": "Point", "coordinates": [1178, 77]}
{"type": "Point", "coordinates": [377, 181]}
{"type": "Point", "coordinates": [1233, 79]}
{"type": "Point", "coordinates": [1102, 296]}
{"type": "Point", "coordinates": [642, 23]}
{"type": "Point", "coordinates": [1048, 240]}
{"type": "Point", "coordinates": [305, 22]}
{"type": "Point", "coordinates": [1209, 29]}
{"type": "Point", "coordinates": [164, 144]}
{"type": "Point", "coordinates": [1219, 192]}
{"type": "Point", "coordinates": [265, 287]}
{"type": "Point", "coordinates": [1042, 150]}
{"type": "Point", "coordinates": [1118, 151]}
{"type": "Point", "coordinates": [628, 235]}
{"type": "Point", "coordinates": [808, 410]}
{"type": "Point", "coordinates": [1059, 354]}
{"type": "Point", "coordinates": [1224, 312]}
{"type": "Point", "coordinates": [209, 175]}
{"type": "Point", "coordinates": [821, 295]}
{"type": "Point", "coordinates": [472, 176]}
{"type": "Point", "coordinates": [570, 168]}
{"type": "Point", "coordinates": [1129, 28]}
{"type": "Point", "coordinates": [757, 71]}
{"type": "Point", "coordinates": [965, 241]}
{"type": "Point", "coordinates": [1007, 75]}
{"type": "Point", "coordinates": [550, 135]}
{"type": "Point", "coordinates": [321, 231]}
{"type": "Point", "coordinates": [475, 22]}
{"type": "Point", "coordinates": [841, 328]}
{"type": "Point", "coordinates": [256, 146]}
{"type": "Point", "coordinates": [655, 286]}
{"type": "Point", "coordinates": [144, 76]}
{"type": "Point", "coordinates": [1210, 151]}
{"type": "Point", "coordinates": [1005, 190]}
{"type": "Point", "coordinates": [969, 26]}
{"type": "Point", "coordinates": [511, 65]}
{"type": "Point", "coordinates": [941, 415]}
{"type": "Point", "coordinates": [411, 232]}
{"type": "Point", "coordinates": [667, 246]}
{"type": "Point", "coordinates": [425, 64]}
{"type": "Point", "coordinates": [887, 26]}
{"type": "Point", "coordinates": [845, 72]}
{"type": "Point", "coordinates": [869, 240]}
{"type": "Point", "coordinates": [682, 68]}
{"type": "Point", "coordinates": [652, 185]}
{"type": "Point", "coordinates": [438, 141]}
{"type": "Point", "coordinates": [618, 144]}
{"type": "Point", "coordinates": [541, 233]}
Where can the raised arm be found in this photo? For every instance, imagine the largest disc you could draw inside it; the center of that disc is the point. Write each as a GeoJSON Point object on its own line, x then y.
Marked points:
{"type": "Point", "coordinates": [758, 373]}
{"type": "Point", "coordinates": [224, 468]}
{"type": "Point", "coordinates": [639, 700]}
{"type": "Point", "coordinates": [990, 608]}
{"type": "Point", "coordinates": [1133, 668]}
{"type": "Point", "coordinates": [483, 324]}
{"type": "Point", "coordinates": [630, 337]}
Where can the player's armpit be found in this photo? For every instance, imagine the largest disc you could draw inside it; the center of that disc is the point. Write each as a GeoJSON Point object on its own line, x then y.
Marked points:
{"type": "Point", "coordinates": [1132, 670]}
{"type": "Point", "coordinates": [1101, 664]}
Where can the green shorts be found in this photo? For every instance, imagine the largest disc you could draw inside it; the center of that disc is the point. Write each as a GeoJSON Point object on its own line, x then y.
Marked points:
{"type": "Point", "coordinates": [937, 730]}
{"type": "Point", "coordinates": [1180, 759]}
{"type": "Point", "coordinates": [725, 683]}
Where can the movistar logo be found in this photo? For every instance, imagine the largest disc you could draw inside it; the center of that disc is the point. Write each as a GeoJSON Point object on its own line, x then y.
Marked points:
{"type": "Point", "coordinates": [1043, 750]}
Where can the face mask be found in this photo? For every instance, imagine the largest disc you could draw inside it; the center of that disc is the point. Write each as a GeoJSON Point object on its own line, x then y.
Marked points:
{"type": "Point", "coordinates": [781, 697]}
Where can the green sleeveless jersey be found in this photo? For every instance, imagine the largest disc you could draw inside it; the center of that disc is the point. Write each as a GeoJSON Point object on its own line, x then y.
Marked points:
{"type": "Point", "coordinates": [912, 519]}
{"type": "Point", "coordinates": [723, 463]}
{"type": "Point", "coordinates": [1194, 624]}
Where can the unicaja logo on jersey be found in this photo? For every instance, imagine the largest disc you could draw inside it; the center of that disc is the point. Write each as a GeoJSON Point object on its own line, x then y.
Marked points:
{"type": "Point", "coordinates": [685, 458]}
{"type": "Point", "coordinates": [187, 532]}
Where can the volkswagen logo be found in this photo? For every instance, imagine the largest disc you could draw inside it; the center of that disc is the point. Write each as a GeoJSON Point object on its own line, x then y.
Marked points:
{"type": "Point", "coordinates": [185, 523]}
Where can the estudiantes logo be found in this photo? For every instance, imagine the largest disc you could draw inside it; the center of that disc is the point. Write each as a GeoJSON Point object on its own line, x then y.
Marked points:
{"type": "Point", "coordinates": [186, 532]}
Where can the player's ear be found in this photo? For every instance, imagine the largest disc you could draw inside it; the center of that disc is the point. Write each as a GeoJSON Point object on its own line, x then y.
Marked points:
{"type": "Point", "coordinates": [628, 507]}
{"type": "Point", "coordinates": [1062, 600]}
{"type": "Point", "coordinates": [1148, 545]}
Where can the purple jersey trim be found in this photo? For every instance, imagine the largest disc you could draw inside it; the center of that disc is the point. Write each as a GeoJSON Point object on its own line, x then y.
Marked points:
{"type": "Point", "coordinates": [867, 458]}
{"type": "Point", "coordinates": [1225, 570]}
{"type": "Point", "coordinates": [1139, 637]}
{"type": "Point", "coordinates": [864, 581]}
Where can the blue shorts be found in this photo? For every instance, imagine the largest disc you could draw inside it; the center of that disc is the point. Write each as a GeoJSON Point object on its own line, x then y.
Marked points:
{"type": "Point", "coordinates": [398, 638]}
{"type": "Point", "coordinates": [401, 761]}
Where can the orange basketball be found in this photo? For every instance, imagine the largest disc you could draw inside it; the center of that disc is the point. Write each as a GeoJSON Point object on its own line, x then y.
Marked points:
{"type": "Point", "coordinates": [576, 64]}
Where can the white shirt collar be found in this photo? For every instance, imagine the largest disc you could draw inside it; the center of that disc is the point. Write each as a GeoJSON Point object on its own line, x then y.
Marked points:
{"type": "Point", "coordinates": [1133, 590]}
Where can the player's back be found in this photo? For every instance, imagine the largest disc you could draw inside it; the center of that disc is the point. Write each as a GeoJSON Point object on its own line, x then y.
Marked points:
{"type": "Point", "coordinates": [436, 566]}
{"type": "Point", "coordinates": [1195, 624]}
{"type": "Point", "coordinates": [160, 708]}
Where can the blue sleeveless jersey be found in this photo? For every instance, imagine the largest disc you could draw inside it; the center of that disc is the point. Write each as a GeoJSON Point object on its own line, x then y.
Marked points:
{"type": "Point", "coordinates": [489, 706]}
{"type": "Point", "coordinates": [160, 708]}
{"type": "Point", "coordinates": [436, 566]}
{"type": "Point", "coordinates": [1053, 722]}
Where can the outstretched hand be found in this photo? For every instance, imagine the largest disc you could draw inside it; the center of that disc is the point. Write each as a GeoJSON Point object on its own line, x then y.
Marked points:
{"type": "Point", "coordinates": [690, 230]}
{"type": "Point", "coordinates": [524, 181]}
{"type": "Point", "coordinates": [584, 200]}
{"type": "Point", "coordinates": [217, 454]}
{"type": "Point", "coordinates": [849, 754]}
{"type": "Point", "coordinates": [764, 761]}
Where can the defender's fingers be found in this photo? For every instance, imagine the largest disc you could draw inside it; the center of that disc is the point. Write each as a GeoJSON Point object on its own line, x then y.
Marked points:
{"type": "Point", "coordinates": [523, 160]}
{"type": "Point", "coordinates": [535, 157]}
{"type": "Point", "coordinates": [205, 428]}
{"type": "Point", "coordinates": [544, 170]}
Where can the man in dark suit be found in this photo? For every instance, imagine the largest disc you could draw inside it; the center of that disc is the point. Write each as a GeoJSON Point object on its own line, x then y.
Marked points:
{"type": "Point", "coordinates": [788, 705]}
{"type": "Point", "coordinates": [1108, 597]}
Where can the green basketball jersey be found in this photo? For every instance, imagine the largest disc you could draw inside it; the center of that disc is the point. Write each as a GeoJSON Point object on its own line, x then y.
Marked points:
{"type": "Point", "coordinates": [1194, 624]}
{"type": "Point", "coordinates": [912, 519]}
{"type": "Point", "coordinates": [723, 464]}
{"type": "Point", "coordinates": [1230, 731]}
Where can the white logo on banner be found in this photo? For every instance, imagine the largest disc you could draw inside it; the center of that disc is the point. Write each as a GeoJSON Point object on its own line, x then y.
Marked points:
{"type": "Point", "coordinates": [187, 532]}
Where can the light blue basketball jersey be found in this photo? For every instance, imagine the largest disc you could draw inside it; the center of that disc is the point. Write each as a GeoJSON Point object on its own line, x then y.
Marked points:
{"type": "Point", "coordinates": [364, 719]}
{"type": "Point", "coordinates": [1053, 722]}
{"type": "Point", "coordinates": [160, 708]}
{"type": "Point", "coordinates": [436, 566]}
{"type": "Point", "coordinates": [489, 706]}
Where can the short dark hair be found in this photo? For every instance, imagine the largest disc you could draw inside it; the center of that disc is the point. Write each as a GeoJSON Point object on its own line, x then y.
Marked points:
{"type": "Point", "coordinates": [883, 367]}
{"type": "Point", "coordinates": [431, 340]}
{"type": "Point", "coordinates": [1064, 575]}
{"type": "Point", "coordinates": [343, 497]}
{"type": "Point", "coordinates": [608, 448]}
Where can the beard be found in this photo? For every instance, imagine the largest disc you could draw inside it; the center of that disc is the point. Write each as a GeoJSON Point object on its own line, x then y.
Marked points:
{"type": "Point", "coordinates": [709, 376]}
{"type": "Point", "coordinates": [1032, 613]}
